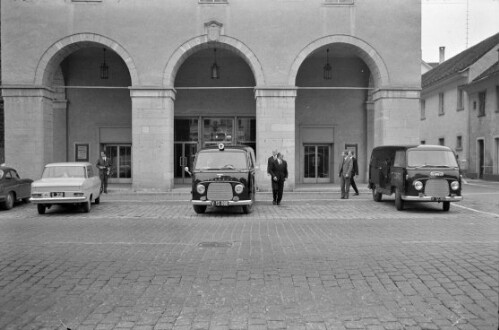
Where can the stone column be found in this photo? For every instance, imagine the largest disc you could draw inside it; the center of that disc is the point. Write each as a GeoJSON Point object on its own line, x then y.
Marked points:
{"type": "Point", "coordinates": [152, 138]}
{"type": "Point", "coordinates": [396, 116]}
{"type": "Point", "coordinates": [275, 129]}
{"type": "Point", "coordinates": [29, 143]}
{"type": "Point", "coordinates": [61, 151]}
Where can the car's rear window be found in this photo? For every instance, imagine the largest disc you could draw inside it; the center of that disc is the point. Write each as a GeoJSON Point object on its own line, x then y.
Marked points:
{"type": "Point", "coordinates": [431, 158]}
{"type": "Point", "coordinates": [64, 172]}
{"type": "Point", "coordinates": [221, 160]}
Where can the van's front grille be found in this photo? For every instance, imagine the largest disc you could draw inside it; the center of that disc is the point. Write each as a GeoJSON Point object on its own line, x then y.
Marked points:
{"type": "Point", "coordinates": [437, 188]}
{"type": "Point", "coordinates": [219, 191]}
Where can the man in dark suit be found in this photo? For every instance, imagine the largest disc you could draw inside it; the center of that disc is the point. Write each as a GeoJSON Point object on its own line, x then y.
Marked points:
{"type": "Point", "coordinates": [279, 173]}
{"type": "Point", "coordinates": [104, 165]}
{"type": "Point", "coordinates": [345, 172]}
{"type": "Point", "coordinates": [355, 171]}
{"type": "Point", "coordinates": [270, 163]}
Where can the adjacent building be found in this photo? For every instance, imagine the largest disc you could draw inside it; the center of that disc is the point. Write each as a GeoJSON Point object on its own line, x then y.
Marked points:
{"type": "Point", "coordinates": [460, 108]}
{"type": "Point", "coordinates": [151, 82]}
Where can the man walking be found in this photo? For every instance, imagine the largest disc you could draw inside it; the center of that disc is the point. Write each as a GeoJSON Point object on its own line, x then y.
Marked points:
{"type": "Point", "coordinates": [355, 171]}
{"type": "Point", "coordinates": [270, 162]}
{"type": "Point", "coordinates": [104, 165]}
{"type": "Point", "coordinates": [279, 173]}
{"type": "Point", "coordinates": [345, 173]}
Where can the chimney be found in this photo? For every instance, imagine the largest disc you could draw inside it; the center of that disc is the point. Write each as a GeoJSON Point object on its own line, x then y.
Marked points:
{"type": "Point", "coordinates": [442, 54]}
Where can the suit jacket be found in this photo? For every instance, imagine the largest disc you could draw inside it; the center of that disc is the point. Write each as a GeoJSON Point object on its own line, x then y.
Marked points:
{"type": "Point", "coordinates": [279, 170]}
{"type": "Point", "coordinates": [355, 169]}
{"type": "Point", "coordinates": [102, 164]}
{"type": "Point", "coordinates": [346, 167]}
{"type": "Point", "coordinates": [269, 163]}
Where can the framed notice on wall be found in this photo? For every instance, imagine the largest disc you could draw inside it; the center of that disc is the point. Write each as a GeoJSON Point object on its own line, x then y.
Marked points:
{"type": "Point", "coordinates": [352, 147]}
{"type": "Point", "coordinates": [81, 152]}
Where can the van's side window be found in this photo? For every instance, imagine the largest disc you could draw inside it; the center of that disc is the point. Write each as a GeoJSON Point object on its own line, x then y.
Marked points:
{"type": "Point", "coordinates": [399, 159]}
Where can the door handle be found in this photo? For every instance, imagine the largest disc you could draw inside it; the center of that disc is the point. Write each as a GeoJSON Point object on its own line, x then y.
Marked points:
{"type": "Point", "coordinates": [183, 161]}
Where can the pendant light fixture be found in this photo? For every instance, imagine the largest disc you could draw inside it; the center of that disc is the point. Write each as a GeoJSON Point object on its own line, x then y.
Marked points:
{"type": "Point", "coordinates": [104, 68]}
{"type": "Point", "coordinates": [327, 67]}
{"type": "Point", "coordinates": [215, 69]}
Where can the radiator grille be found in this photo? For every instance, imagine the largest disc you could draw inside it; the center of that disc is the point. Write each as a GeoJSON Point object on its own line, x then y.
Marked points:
{"type": "Point", "coordinates": [437, 188]}
{"type": "Point", "coordinates": [219, 192]}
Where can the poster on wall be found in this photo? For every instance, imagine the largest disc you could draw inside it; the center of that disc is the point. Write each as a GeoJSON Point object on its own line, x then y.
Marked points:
{"type": "Point", "coordinates": [81, 152]}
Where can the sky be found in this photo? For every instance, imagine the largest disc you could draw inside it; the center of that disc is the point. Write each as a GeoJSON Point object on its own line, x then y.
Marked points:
{"type": "Point", "coordinates": [456, 25]}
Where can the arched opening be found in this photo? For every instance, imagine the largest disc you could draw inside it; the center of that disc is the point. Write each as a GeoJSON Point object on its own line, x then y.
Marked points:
{"type": "Point", "coordinates": [212, 107]}
{"type": "Point", "coordinates": [332, 110]}
{"type": "Point", "coordinates": [91, 112]}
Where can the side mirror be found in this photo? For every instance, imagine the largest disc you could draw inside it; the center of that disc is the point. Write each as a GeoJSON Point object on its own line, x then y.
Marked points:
{"type": "Point", "coordinates": [187, 170]}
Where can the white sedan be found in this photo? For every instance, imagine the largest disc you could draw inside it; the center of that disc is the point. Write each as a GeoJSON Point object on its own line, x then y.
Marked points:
{"type": "Point", "coordinates": [66, 183]}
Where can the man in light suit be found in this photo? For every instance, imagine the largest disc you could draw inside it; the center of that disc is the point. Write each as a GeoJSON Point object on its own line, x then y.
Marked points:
{"type": "Point", "coordinates": [279, 173]}
{"type": "Point", "coordinates": [104, 165]}
{"type": "Point", "coordinates": [345, 172]}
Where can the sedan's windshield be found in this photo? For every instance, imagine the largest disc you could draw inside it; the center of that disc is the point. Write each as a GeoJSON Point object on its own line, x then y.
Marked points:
{"type": "Point", "coordinates": [221, 160]}
{"type": "Point", "coordinates": [64, 172]}
{"type": "Point", "coordinates": [431, 158]}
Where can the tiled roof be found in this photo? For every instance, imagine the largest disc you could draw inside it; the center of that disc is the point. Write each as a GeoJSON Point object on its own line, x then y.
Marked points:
{"type": "Point", "coordinates": [489, 72]}
{"type": "Point", "coordinates": [459, 62]}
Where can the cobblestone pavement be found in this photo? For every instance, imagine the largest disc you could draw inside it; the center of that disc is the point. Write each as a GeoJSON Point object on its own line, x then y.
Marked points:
{"type": "Point", "coordinates": [315, 262]}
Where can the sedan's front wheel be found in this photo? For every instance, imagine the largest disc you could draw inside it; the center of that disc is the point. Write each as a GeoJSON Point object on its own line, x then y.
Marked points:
{"type": "Point", "coordinates": [86, 206]}
{"type": "Point", "coordinates": [199, 209]}
{"type": "Point", "coordinates": [41, 208]}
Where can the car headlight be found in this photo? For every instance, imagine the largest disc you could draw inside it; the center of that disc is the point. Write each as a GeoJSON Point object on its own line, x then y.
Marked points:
{"type": "Point", "coordinates": [418, 185]}
{"type": "Point", "coordinates": [239, 188]}
{"type": "Point", "coordinates": [201, 189]}
{"type": "Point", "coordinates": [454, 185]}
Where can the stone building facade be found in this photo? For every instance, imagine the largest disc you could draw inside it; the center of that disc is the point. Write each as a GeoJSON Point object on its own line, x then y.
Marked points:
{"type": "Point", "coordinates": [309, 78]}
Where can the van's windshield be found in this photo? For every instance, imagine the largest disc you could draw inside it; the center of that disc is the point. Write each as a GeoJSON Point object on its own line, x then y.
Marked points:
{"type": "Point", "coordinates": [431, 158]}
{"type": "Point", "coordinates": [218, 160]}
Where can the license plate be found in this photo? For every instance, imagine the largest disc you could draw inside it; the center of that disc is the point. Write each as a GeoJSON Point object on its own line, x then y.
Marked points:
{"type": "Point", "coordinates": [220, 203]}
{"type": "Point", "coordinates": [57, 194]}
{"type": "Point", "coordinates": [436, 199]}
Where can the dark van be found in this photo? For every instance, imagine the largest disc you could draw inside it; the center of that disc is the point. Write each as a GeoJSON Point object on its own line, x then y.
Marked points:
{"type": "Point", "coordinates": [424, 173]}
{"type": "Point", "coordinates": [223, 176]}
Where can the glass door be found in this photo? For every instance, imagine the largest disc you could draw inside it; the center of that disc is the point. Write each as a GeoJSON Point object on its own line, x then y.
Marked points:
{"type": "Point", "coordinates": [218, 130]}
{"type": "Point", "coordinates": [184, 154]}
{"type": "Point", "coordinates": [316, 163]}
{"type": "Point", "coordinates": [121, 156]}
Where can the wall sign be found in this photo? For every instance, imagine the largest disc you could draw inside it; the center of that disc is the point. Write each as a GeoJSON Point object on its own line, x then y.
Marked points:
{"type": "Point", "coordinates": [81, 152]}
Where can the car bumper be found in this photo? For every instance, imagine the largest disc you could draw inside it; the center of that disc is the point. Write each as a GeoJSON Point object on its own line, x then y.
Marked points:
{"type": "Point", "coordinates": [61, 200]}
{"type": "Point", "coordinates": [229, 203]}
{"type": "Point", "coordinates": [432, 199]}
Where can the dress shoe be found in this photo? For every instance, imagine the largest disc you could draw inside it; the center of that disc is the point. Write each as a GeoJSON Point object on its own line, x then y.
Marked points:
{"type": "Point", "coordinates": [356, 194]}
{"type": "Point", "coordinates": [274, 202]}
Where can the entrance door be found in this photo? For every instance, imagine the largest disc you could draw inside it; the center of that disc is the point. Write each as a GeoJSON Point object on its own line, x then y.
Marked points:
{"type": "Point", "coordinates": [184, 156]}
{"type": "Point", "coordinates": [121, 156]}
{"type": "Point", "coordinates": [317, 163]}
{"type": "Point", "coordinates": [481, 160]}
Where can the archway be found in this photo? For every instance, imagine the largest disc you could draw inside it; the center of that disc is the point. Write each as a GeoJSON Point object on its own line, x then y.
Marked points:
{"type": "Point", "coordinates": [334, 111]}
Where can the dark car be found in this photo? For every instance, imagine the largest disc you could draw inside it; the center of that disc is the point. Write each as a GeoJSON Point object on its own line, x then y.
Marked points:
{"type": "Point", "coordinates": [424, 173]}
{"type": "Point", "coordinates": [13, 188]}
{"type": "Point", "coordinates": [223, 176]}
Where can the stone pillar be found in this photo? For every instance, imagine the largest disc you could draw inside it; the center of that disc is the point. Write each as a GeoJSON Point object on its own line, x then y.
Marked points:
{"type": "Point", "coordinates": [61, 151]}
{"type": "Point", "coordinates": [29, 143]}
{"type": "Point", "coordinates": [369, 135]}
{"type": "Point", "coordinates": [396, 116]}
{"type": "Point", "coordinates": [275, 129]}
{"type": "Point", "coordinates": [152, 138]}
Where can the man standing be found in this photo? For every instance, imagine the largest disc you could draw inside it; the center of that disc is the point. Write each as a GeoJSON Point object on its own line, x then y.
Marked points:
{"type": "Point", "coordinates": [272, 159]}
{"type": "Point", "coordinates": [104, 165]}
{"type": "Point", "coordinates": [355, 171]}
{"type": "Point", "coordinates": [345, 173]}
{"type": "Point", "coordinates": [279, 173]}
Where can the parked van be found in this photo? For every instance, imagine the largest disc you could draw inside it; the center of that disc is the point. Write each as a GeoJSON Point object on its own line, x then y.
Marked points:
{"type": "Point", "coordinates": [424, 173]}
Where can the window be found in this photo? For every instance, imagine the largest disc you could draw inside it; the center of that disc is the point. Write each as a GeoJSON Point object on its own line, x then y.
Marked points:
{"type": "Point", "coordinates": [482, 96]}
{"type": "Point", "coordinates": [441, 141]}
{"type": "Point", "coordinates": [423, 109]}
{"type": "Point", "coordinates": [459, 142]}
{"type": "Point", "coordinates": [441, 105]}
{"type": "Point", "coordinates": [460, 99]}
